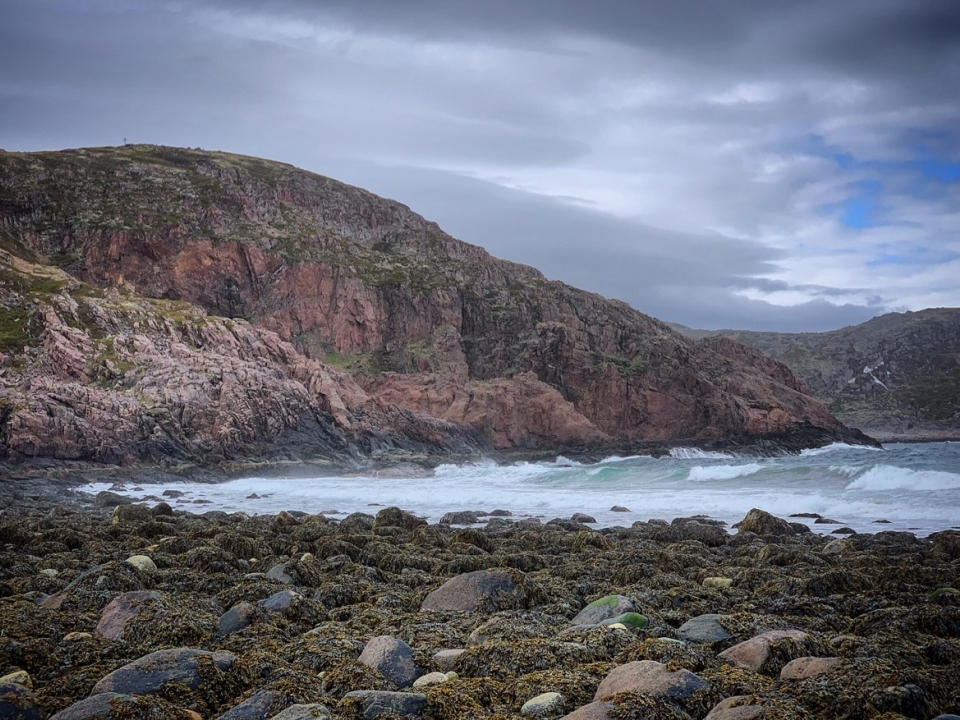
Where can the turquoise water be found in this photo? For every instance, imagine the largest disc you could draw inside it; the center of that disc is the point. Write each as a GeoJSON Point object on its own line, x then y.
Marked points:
{"type": "Point", "coordinates": [915, 487]}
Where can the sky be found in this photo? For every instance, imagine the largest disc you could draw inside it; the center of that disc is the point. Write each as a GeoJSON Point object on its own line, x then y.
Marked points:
{"type": "Point", "coordinates": [787, 165]}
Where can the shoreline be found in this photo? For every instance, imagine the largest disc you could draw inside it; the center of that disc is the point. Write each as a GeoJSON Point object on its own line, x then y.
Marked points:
{"type": "Point", "coordinates": [288, 602]}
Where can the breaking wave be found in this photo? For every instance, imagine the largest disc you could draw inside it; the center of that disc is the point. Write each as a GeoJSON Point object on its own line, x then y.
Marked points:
{"type": "Point", "coordinates": [701, 473]}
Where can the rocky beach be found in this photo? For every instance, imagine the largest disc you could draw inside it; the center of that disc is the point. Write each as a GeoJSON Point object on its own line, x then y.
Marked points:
{"type": "Point", "coordinates": [112, 609]}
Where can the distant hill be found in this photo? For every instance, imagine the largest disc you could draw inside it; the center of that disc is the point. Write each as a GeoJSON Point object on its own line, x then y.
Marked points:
{"type": "Point", "coordinates": [896, 376]}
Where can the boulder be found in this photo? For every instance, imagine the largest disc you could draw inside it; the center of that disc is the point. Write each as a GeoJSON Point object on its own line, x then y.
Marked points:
{"type": "Point", "coordinates": [754, 654]}
{"type": "Point", "coordinates": [583, 518]}
{"type": "Point", "coordinates": [18, 677]}
{"type": "Point", "coordinates": [279, 573]}
{"type": "Point", "coordinates": [446, 658]}
{"type": "Point", "coordinates": [280, 602]}
{"type": "Point", "coordinates": [121, 706]}
{"type": "Point", "coordinates": [237, 618]}
{"type": "Point", "coordinates": [391, 658]}
{"type": "Point", "coordinates": [808, 667]}
{"type": "Point", "coordinates": [650, 678]}
{"type": "Point", "coordinates": [606, 608]}
{"type": "Point", "coordinates": [130, 514]}
{"type": "Point", "coordinates": [377, 703]}
{"type": "Point", "coordinates": [544, 705]}
{"type": "Point", "coordinates": [395, 517]}
{"type": "Point", "coordinates": [121, 610]}
{"type": "Point", "coordinates": [619, 508]}
{"type": "Point", "coordinates": [629, 620]}
{"type": "Point", "coordinates": [142, 563]}
{"type": "Point", "coordinates": [105, 498]}
{"type": "Point", "coordinates": [149, 673]}
{"type": "Point", "coordinates": [462, 517]}
{"type": "Point", "coordinates": [703, 629]}
{"type": "Point", "coordinates": [763, 523]}
{"type": "Point", "coordinates": [356, 523]}
{"type": "Point", "coordinates": [479, 591]}
{"type": "Point", "coordinates": [729, 709]}
{"type": "Point", "coordinates": [311, 711]}
{"type": "Point", "coordinates": [600, 710]}
{"type": "Point", "coordinates": [285, 519]}
{"type": "Point", "coordinates": [254, 707]}
{"type": "Point", "coordinates": [17, 702]}
{"type": "Point", "coordinates": [161, 509]}
{"type": "Point", "coordinates": [434, 678]}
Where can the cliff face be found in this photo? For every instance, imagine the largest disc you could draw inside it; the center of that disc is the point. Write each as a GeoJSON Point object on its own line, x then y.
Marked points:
{"type": "Point", "coordinates": [336, 277]}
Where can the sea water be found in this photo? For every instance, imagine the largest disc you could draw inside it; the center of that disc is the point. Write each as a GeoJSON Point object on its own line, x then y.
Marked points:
{"type": "Point", "coordinates": [914, 487]}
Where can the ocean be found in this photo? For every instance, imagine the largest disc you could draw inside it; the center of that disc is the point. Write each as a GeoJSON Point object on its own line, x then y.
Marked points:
{"type": "Point", "coordinates": [915, 487]}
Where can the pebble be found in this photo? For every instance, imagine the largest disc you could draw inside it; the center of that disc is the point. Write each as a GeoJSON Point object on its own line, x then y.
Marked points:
{"type": "Point", "coordinates": [433, 678]}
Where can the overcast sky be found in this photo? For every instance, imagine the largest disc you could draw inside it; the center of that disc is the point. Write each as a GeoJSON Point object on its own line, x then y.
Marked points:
{"type": "Point", "coordinates": [759, 164]}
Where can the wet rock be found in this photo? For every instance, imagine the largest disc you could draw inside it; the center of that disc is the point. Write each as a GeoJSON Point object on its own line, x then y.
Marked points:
{"type": "Point", "coordinates": [121, 706]}
{"type": "Point", "coordinates": [763, 523]}
{"type": "Point", "coordinates": [280, 602]}
{"type": "Point", "coordinates": [651, 678]}
{"type": "Point", "coordinates": [17, 702]}
{"type": "Point", "coordinates": [255, 707]}
{"type": "Point", "coordinates": [605, 608]}
{"type": "Point", "coordinates": [17, 677]}
{"type": "Point", "coordinates": [732, 709]}
{"type": "Point", "coordinates": [356, 523]}
{"type": "Point", "coordinates": [835, 547]}
{"type": "Point", "coordinates": [378, 703]}
{"type": "Point", "coordinates": [237, 618]}
{"type": "Point", "coordinates": [279, 573]}
{"type": "Point", "coordinates": [482, 590]}
{"type": "Point", "coordinates": [583, 518]}
{"type": "Point", "coordinates": [445, 659]}
{"type": "Point", "coordinates": [391, 658]}
{"type": "Point", "coordinates": [825, 521]}
{"type": "Point", "coordinates": [544, 705]}
{"type": "Point", "coordinates": [808, 667]}
{"type": "Point", "coordinates": [600, 710]}
{"type": "Point", "coordinates": [844, 531]}
{"type": "Point", "coordinates": [756, 653]}
{"type": "Point", "coordinates": [121, 610]}
{"type": "Point", "coordinates": [150, 673]}
{"type": "Point", "coordinates": [434, 678]}
{"type": "Point", "coordinates": [161, 509]}
{"type": "Point", "coordinates": [461, 517]}
{"type": "Point", "coordinates": [142, 563]}
{"type": "Point", "coordinates": [619, 508]}
{"type": "Point", "coordinates": [130, 514]}
{"type": "Point", "coordinates": [500, 513]}
{"type": "Point", "coordinates": [703, 629]}
{"type": "Point", "coordinates": [308, 711]}
{"type": "Point", "coordinates": [628, 620]}
{"type": "Point", "coordinates": [395, 517]}
{"type": "Point", "coordinates": [105, 498]}
{"type": "Point", "coordinates": [172, 493]}
{"type": "Point", "coordinates": [285, 519]}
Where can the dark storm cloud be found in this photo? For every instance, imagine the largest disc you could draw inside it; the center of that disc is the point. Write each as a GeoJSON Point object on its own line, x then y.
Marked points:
{"type": "Point", "coordinates": [566, 135]}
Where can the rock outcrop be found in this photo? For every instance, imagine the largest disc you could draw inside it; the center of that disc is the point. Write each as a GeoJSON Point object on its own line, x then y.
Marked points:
{"type": "Point", "coordinates": [174, 306]}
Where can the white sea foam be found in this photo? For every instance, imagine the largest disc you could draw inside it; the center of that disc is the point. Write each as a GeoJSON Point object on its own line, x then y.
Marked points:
{"type": "Point", "coordinates": [836, 447]}
{"type": "Point", "coordinates": [889, 477]}
{"type": "Point", "coordinates": [701, 473]}
{"type": "Point", "coordinates": [680, 453]}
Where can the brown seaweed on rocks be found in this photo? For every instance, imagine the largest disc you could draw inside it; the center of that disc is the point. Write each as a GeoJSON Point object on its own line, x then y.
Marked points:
{"type": "Point", "coordinates": [885, 605]}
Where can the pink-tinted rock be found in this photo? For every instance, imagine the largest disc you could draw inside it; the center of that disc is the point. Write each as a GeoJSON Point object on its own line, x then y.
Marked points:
{"type": "Point", "coordinates": [599, 710]}
{"type": "Point", "coordinates": [121, 610]}
{"type": "Point", "coordinates": [650, 678]}
{"type": "Point", "coordinates": [754, 653]}
{"type": "Point", "coordinates": [729, 710]}
{"type": "Point", "coordinates": [808, 667]}
{"type": "Point", "coordinates": [485, 590]}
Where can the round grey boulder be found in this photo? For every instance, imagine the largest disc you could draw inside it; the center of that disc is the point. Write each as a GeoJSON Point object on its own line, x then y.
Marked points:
{"type": "Point", "coordinates": [148, 674]}
{"type": "Point", "coordinates": [703, 629]}
{"type": "Point", "coordinates": [391, 658]}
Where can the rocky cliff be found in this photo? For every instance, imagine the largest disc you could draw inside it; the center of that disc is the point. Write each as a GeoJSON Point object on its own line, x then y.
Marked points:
{"type": "Point", "coordinates": [896, 376]}
{"type": "Point", "coordinates": [136, 276]}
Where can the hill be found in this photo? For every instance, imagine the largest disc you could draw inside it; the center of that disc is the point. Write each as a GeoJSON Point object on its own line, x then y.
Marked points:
{"type": "Point", "coordinates": [896, 376]}
{"type": "Point", "coordinates": [332, 313]}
